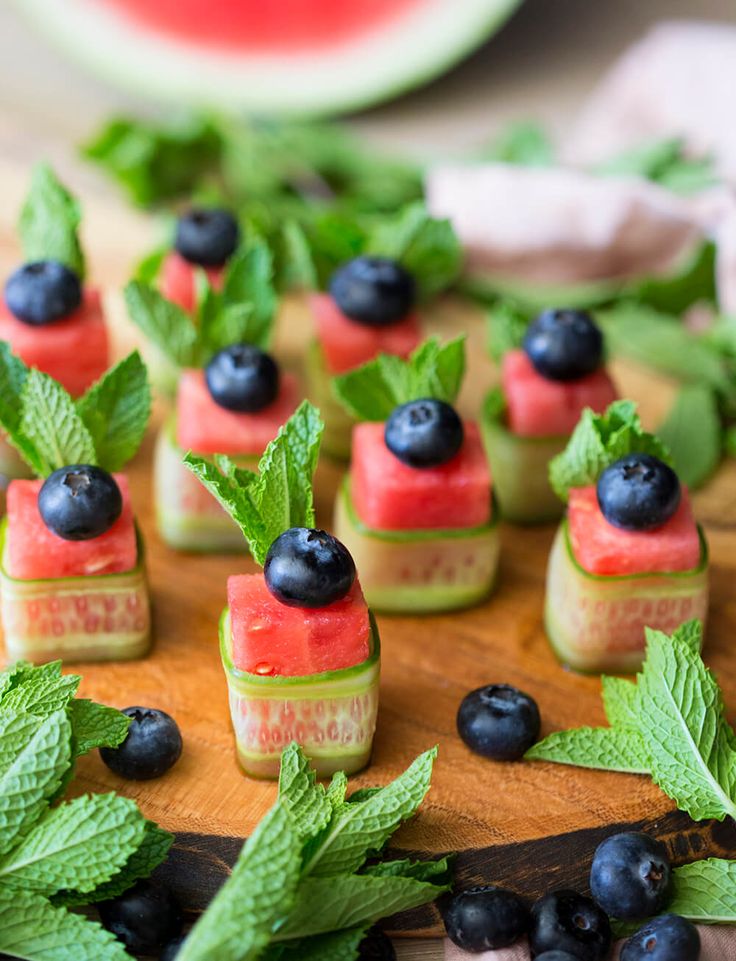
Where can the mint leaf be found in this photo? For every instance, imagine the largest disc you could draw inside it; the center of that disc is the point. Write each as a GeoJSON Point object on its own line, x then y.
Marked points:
{"type": "Point", "coordinates": [148, 268]}
{"type": "Point", "coordinates": [524, 143]}
{"type": "Point", "coordinates": [597, 442]}
{"type": "Point", "coordinates": [298, 268]}
{"type": "Point", "coordinates": [40, 690]}
{"type": "Point", "coordinates": [690, 634]}
{"type": "Point", "coordinates": [666, 163]}
{"type": "Point", "coordinates": [693, 282]}
{"type": "Point", "coordinates": [436, 871]}
{"type": "Point", "coordinates": [299, 792]}
{"type": "Point", "coordinates": [259, 893]}
{"type": "Point", "coordinates": [12, 377]}
{"type": "Point", "coordinates": [337, 789]}
{"type": "Point", "coordinates": [619, 702]}
{"type": "Point", "coordinates": [249, 280]}
{"type": "Point", "coordinates": [506, 326]}
{"type": "Point", "coordinates": [692, 433]}
{"type": "Point", "coordinates": [163, 322]}
{"type": "Point", "coordinates": [705, 891]}
{"type": "Point", "coordinates": [604, 748]}
{"type": "Point", "coordinates": [49, 222]}
{"type": "Point", "coordinates": [337, 946]}
{"type": "Point", "coordinates": [361, 828]}
{"type": "Point", "coordinates": [96, 725]}
{"type": "Point", "coordinates": [116, 410]}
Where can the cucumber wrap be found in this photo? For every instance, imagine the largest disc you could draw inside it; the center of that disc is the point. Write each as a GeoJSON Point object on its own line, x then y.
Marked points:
{"type": "Point", "coordinates": [331, 715]}
{"type": "Point", "coordinates": [89, 617]}
{"type": "Point", "coordinates": [419, 572]}
{"type": "Point", "coordinates": [337, 437]}
{"type": "Point", "coordinates": [596, 622]}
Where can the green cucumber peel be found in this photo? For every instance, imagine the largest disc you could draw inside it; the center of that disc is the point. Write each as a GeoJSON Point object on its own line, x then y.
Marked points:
{"type": "Point", "coordinates": [49, 222]}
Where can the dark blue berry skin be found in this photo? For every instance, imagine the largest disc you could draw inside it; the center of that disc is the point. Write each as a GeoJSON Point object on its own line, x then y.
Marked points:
{"type": "Point", "coordinates": [638, 493]}
{"type": "Point", "coordinates": [486, 919]}
{"type": "Point", "coordinates": [424, 433]}
{"type": "Point", "coordinates": [568, 921]}
{"type": "Point", "coordinates": [666, 938]}
{"type": "Point", "coordinates": [172, 949]}
{"type": "Point", "coordinates": [555, 956]}
{"type": "Point", "coordinates": [243, 378]}
{"type": "Point", "coordinates": [499, 722]}
{"type": "Point", "coordinates": [152, 747]}
{"type": "Point", "coordinates": [43, 291]}
{"type": "Point", "coordinates": [80, 502]}
{"type": "Point", "coordinates": [564, 344]}
{"type": "Point", "coordinates": [630, 876]}
{"type": "Point", "coordinates": [373, 291]}
{"type": "Point", "coordinates": [308, 568]}
{"type": "Point", "coordinates": [207, 237]}
{"type": "Point", "coordinates": [376, 946]}
{"type": "Point", "coordinates": [145, 918]}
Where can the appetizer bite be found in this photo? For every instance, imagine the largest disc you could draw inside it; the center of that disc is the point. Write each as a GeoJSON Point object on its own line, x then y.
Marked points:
{"type": "Point", "coordinates": [629, 553]}
{"type": "Point", "coordinates": [546, 383]}
{"type": "Point", "coordinates": [299, 646]}
{"type": "Point", "coordinates": [416, 508]}
{"type": "Point", "coordinates": [72, 577]}
{"type": "Point", "coordinates": [52, 320]}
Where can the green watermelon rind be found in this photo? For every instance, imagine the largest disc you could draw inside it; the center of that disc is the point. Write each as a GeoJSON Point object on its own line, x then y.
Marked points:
{"type": "Point", "coordinates": [337, 436]}
{"type": "Point", "coordinates": [570, 589]}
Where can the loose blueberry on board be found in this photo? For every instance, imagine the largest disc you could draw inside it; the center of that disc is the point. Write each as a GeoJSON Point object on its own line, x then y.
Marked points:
{"type": "Point", "coordinates": [638, 493]}
{"type": "Point", "coordinates": [485, 919]}
{"type": "Point", "coordinates": [630, 876]}
{"type": "Point", "coordinates": [424, 433]}
{"type": "Point", "coordinates": [376, 946]}
{"type": "Point", "coordinates": [308, 568]}
{"type": "Point", "coordinates": [172, 949]}
{"type": "Point", "coordinates": [666, 938]}
{"type": "Point", "coordinates": [242, 378]}
{"type": "Point", "coordinates": [374, 291]}
{"type": "Point", "coordinates": [499, 722]}
{"type": "Point", "coordinates": [207, 237]}
{"type": "Point", "coordinates": [152, 746]}
{"type": "Point", "coordinates": [145, 918]}
{"type": "Point", "coordinates": [80, 502]}
{"type": "Point", "coordinates": [41, 292]}
{"type": "Point", "coordinates": [564, 344]}
{"type": "Point", "coordinates": [568, 921]}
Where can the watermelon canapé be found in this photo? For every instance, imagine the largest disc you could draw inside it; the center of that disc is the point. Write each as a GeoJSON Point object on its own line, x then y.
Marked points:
{"type": "Point", "coordinates": [73, 350]}
{"type": "Point", "coordinates": [601, 548]}
{"type": "Point", "coordinates": [389, 495]}
{"type": "Point", "coordinates": [272, 639]}
{"type": "Point", "coordinates": [539, 407]}
{"type": "Point", "coordinates": [347, 344]}
{"type": "Point", "coordinates": [178, 282]}
{"type": "Point", "coordinates": [34, 552]}
{"type": "Point", "coordinates": [206, 428]}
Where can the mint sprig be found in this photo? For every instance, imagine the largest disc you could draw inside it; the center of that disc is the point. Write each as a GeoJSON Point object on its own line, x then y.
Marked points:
{"type": "Point", "coordinates": [372, 391]}
{"type": "Point", "coordinates": [597, 442]}
{"type": "Point", "coordinates": [692, 432]}
{"type": "Point", "coordinates": [664, 162]}
{"type": "Point", "coordinates": [49, 222]}
{"type": "Point", "coordinates": [279, 496]}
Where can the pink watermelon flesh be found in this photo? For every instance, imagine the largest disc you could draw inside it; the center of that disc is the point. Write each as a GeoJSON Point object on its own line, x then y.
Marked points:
{"type": "Point", "coordinates": [34, 552]}
{"type": "Point", "coordinates": [268, 25]}
{"type": "Point", "coordinates": [270, 638]}
{"type": "Point", "coordinates": [347, 344]}
{"type": "Point", "coordinates": [389, 495]}
{"type": "Point", "coordinates": [601, 548]}
{"type": "Point", "coordinates": [538, 407]}
{"type": "Point", "coordinates": [206, 428]}
{"type": "Point", "coordinates": [178, 280]}
{"type": "Point", "coordinates": [74, 350]}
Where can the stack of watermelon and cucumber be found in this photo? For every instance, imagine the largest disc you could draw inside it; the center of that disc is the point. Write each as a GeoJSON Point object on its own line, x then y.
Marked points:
{"type": "Point", "coordinates": [299, 645]}
{"type": "Point", "coordinates": [416, 509]}
{"type": "Point", "coordinates": [72, 576]}
{"type": "Point", "coordinates": [629, 554]}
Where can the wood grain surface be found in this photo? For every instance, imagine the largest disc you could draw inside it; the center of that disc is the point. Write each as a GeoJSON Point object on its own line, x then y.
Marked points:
{"type": "Point", "coordinates": [526, 825]}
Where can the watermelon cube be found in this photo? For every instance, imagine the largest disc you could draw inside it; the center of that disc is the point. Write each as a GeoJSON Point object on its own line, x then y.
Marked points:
{"type": "Point", "coordinates": [178, 280]}
{"type": "Point", "coordinates": [74, 350]}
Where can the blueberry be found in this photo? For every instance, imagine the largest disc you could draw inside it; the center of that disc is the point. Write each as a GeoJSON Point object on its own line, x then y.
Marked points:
{"type": "Point", "coordinates": [152, 746]}
{"type": "Point", "coordinates": [207, 237]}
{"type": "Point", "coordinates": [630, 876]}
{"type": "Point", "coordinates": [485, 919]}
{"type": "Point", "coordinates": [172, 949]}
{"type": "Point", "coordinates": [308, 568]}
{"type": "Point", "coordinates": [666, 938]}
{"type": "Point", "coordinates": [243, 378]}
{"type": "Point", "coordinates": [498, 721]}
{"type": "Point", "coordinates": [373, 291]}
{"type": "Point", "coordinates": [564, 344]}
{"type": "Point", "coordinates": [145, 918]}
{"type": "Point", "coordinates": [638, 493]}
{"type": "Point", "coordinates": [424, 433]}
{"type": "Point", "coordinates": [376, 946]}
{"type": "Point", "coordinates": [80, 502]}
{"type": "Point", "coordinates": [42, 292]}
{"type": "Point", "coordinates": [568, 921]}
{"type": "Point", "coordinates": [556, 956]}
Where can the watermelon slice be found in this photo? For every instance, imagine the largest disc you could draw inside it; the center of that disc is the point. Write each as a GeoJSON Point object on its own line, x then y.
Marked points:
{"type": "Point", "coordinates": [178, 280]}
{"type": "Point", "coordinates": [74, 351]}
{"type": "Point", "coordinates": [298, 56]}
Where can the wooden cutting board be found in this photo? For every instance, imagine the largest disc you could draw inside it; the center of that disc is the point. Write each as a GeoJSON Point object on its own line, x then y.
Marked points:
{"type": "Point", "coordinates": [529, 826]}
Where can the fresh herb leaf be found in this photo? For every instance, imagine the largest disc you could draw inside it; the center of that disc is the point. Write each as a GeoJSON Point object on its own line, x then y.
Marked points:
{"type": "Point", "coordinates": [249, 280]}
{"type": "Point", "coordinates": [96, 725]}
{"type": "Point", "coordinates": [438, 870]}
{"type": "Point", "coordinates": [494, 405]}
{"type": "Point", "coordinates": [307, 801]}
{"type": "Point", "coordinates": [619, 702]}
{"type": "Point", "coordinates": [693, 282]}
{"type": "Point", "coordinates": [336, 946]}
{"type": "Point", "coordinates": [149, 267]}
{"type": "Point", "coordinates": [524, 143]}
{"type": "Point", "coordinates": [12, 377]}
{"type": "Point", "coordinates": [597, 442]}
{"type": "Point", "coordinates": [41, 690]}
{"type": "Point", "coordinates": [604, 748]}
{"type": "Point", "coordinates": [666, 163]}
{"type": "Point", "coordinates": [49, 222]}
{"type": "Point", "coordinates": [298, 268]}
{"type": "Point", "coordinates": [705, 891]}
{"type": "Point", "coordinates": [506, 325]}
{"type": "Point", "coordinates": [163, 322]}
{"type": "Point", "coordinates": [692, 433]}
{"type": "Point", "coordinates": [337, 789]}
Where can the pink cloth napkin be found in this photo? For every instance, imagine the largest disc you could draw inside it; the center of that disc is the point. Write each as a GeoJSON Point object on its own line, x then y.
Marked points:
{"type": "Point", "coordinates": [718, 944]}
